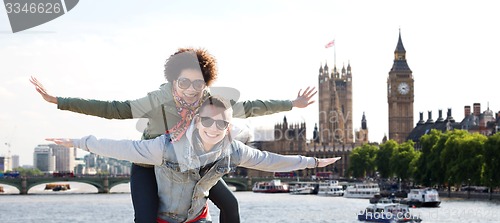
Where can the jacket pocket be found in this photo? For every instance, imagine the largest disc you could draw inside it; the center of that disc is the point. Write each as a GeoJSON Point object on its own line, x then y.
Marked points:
{"type": "Point", "coordinates": [225, 169]}
{"type": "Point", "coordinates": [172, 170]}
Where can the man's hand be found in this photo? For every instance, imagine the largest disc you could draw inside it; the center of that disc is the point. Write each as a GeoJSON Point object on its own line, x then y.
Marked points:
{"type": "Point", "coordinates": [327, 161]}
{"type": "Point", "coordinates": [62, 141]}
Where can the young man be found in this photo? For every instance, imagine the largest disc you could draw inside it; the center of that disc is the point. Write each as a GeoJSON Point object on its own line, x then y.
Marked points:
{"type": "Point", "coordinates": [187, 169]}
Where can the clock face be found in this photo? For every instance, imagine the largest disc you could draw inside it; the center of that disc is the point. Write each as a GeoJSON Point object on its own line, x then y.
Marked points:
{"type": "Point", "coordinates": [403, 88]}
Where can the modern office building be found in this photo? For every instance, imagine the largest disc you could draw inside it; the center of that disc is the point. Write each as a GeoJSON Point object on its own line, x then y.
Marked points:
{"type": "Point", "coordinates": [15, 161]}
{"type": "Point", "coordinates": [44, 159]}
{"type": "Point", "coordinates": [65, 158]}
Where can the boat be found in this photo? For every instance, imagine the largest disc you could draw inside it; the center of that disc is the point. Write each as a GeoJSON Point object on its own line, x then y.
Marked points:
{"type": "Point", "coordinates": [302, 187]}
{"type": "Point", "coordinates": [425, 197]}
{"type": "Point", "coordinates": [386, 211]}
{"type": "Point", "coordinates": [378, 197]}
{"type": "Point", "coordinates": [273, 186]}
{"type": "Point", "coordinates": [57, 187]}
{"type": "Point", "coordinates": [362, 190]}
{"type": "Point", "coordinates": [330, 188]}
{"type": "Point", "coordinates": [60, 188]}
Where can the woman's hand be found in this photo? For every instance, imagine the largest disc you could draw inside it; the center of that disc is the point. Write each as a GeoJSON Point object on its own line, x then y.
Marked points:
{"type": "Point", "coordinates": [303, 100]}
{"type": "Point", "coordinates": [62, 141]}
{"type": "Point", "coordinates": [39, 87]}
{"type": "Point", "coordinates": [327, 161]}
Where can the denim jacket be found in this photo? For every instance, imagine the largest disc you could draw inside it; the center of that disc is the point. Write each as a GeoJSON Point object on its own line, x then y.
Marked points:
{"type": "Point", "coordinates": [183, 191]}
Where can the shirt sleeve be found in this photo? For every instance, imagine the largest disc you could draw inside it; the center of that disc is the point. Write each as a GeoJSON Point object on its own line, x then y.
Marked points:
{"type": "Point", "coordinates": [267, 161]}
{"type": "Point", "coordinates": [138, 108]}
{"type": "Point", "coordinates": [256, 108]}
{"type": "Point", "coordinates": [138, 151]}
{"type": "Point", "coordinates": [103, 109]}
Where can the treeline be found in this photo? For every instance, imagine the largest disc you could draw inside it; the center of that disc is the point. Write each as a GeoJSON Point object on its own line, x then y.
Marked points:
{"type": "Point", "coordinates": [451, 158]}
{"type": "Point", "coordinates": [19, 171]}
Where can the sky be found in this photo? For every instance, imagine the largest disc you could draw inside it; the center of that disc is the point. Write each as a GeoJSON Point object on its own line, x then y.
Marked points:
{"type": "Point", "coordinates": [269, 49]}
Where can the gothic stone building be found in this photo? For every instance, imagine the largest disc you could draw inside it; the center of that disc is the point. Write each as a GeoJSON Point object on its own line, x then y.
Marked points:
{"type": "Point", "coordinates": [333, 138]}
{"type": "Point", "coordinates": [400, 95]}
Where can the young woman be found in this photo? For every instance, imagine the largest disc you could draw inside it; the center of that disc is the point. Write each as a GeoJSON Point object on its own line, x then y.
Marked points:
{"type": "Point", "coordinates": [186, 169]}
{"type": "Point", "coordinates": [189, 72]}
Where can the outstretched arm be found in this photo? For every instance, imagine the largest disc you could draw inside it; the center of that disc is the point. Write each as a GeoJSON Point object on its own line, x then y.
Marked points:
{"type": "Point", "coordinates": [272, 162]}
{"type": "Point", "coordinates": [142, 151]}
{"type": "Point", "coordinates": [139, 108]}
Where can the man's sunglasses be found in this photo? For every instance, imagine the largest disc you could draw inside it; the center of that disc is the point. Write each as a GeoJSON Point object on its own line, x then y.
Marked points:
{"type": "Point", "coordinates": [207, 122]}
{"type": "Point", "coordinates": [184, 83]}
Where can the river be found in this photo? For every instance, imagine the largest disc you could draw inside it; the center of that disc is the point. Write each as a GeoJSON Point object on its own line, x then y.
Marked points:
{"type": "Point", "coordinates": [82, 204]}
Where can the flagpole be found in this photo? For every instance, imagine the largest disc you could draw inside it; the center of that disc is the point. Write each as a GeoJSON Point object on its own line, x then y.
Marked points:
{"type": "Point", "coordinates": [334, 55]}
{"type": "Point", "coordinates": [330, 44]}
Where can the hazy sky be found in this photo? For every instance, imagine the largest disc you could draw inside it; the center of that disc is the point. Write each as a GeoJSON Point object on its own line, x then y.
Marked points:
{"type": "Point", "coordinates": [115, 50]}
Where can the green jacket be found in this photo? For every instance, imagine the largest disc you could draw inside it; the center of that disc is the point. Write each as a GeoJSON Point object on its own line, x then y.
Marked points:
{"type": "Point", "coordinates": [150, 107]}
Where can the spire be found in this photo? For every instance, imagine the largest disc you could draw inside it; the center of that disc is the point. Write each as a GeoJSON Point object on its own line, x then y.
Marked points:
{"type": "Point", "coordinates": [315, 133]}
{"type": "Point", "coordinates": [363, 122]}
{"type": "Point", "coordinates": [400, 63]}
{"type": "Point", "coordinates": [349, 74]}
{"type": "Point", "coordinates": [400, 47]}
{"type": "Point", "coordinates": [320, 69]}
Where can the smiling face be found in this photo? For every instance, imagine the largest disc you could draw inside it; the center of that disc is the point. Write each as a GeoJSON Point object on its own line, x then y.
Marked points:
{"type": "Point", "coordinates": [212, 125]}
{"type": "Point", "coordinates": [190, 94]}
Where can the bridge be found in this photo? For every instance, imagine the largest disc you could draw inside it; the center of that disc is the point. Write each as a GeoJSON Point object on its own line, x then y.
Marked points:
{"type": "Point", "coordinates": [105, 183]}
{"type": "Point", "coordinates": [102, 183]}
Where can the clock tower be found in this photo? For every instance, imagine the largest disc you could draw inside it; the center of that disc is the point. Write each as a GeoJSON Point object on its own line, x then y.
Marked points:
{"type": "Point", "coordinates": [400, 94]}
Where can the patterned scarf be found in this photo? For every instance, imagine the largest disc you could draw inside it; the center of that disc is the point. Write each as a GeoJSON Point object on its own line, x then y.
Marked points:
{"type": "Point", "coordinates": [187, 112]}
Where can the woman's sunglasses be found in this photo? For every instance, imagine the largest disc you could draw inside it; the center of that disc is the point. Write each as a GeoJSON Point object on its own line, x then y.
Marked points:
{"type": "Point", "coordinates": [207, 122]}
{"type": "Point", "coordinates": [184, 83]}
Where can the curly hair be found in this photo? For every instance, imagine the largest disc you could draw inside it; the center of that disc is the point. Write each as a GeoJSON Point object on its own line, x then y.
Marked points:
{"type": "Point", "coordinates": [190, 58]}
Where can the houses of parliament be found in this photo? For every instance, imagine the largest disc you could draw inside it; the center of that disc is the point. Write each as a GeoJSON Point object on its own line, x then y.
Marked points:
{"type": "Point", "coordinates": [334, 135]}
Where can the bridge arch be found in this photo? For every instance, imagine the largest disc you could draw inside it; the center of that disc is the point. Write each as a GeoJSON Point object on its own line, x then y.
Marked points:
{"type": "Point", "coordinates": [16, 185]}
{"type": "Point", "coordinates": [102, 183]}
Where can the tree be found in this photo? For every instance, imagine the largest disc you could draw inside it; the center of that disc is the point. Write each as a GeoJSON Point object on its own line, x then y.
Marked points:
{"type": "Point", "coordinates": [470, 157]}
{"type": "Point", "coordinates": [402, 158]}
{"type": "Point", "coordinates": [491, 168]}
{"type": "Point", "coordinates": [428, 162]}
{"type": "Point", "coordinates": [362, 160]}
{"type": "Point", "coordinates": [29, 172]}
{"type": "Point", "coordinates": [462, 153]}
{"type": "Point", "coordinates": [383, 158]}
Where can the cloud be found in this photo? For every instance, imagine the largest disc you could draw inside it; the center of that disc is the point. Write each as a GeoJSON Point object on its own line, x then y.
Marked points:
{"type": "Point", "coordinates": [6, 93]}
